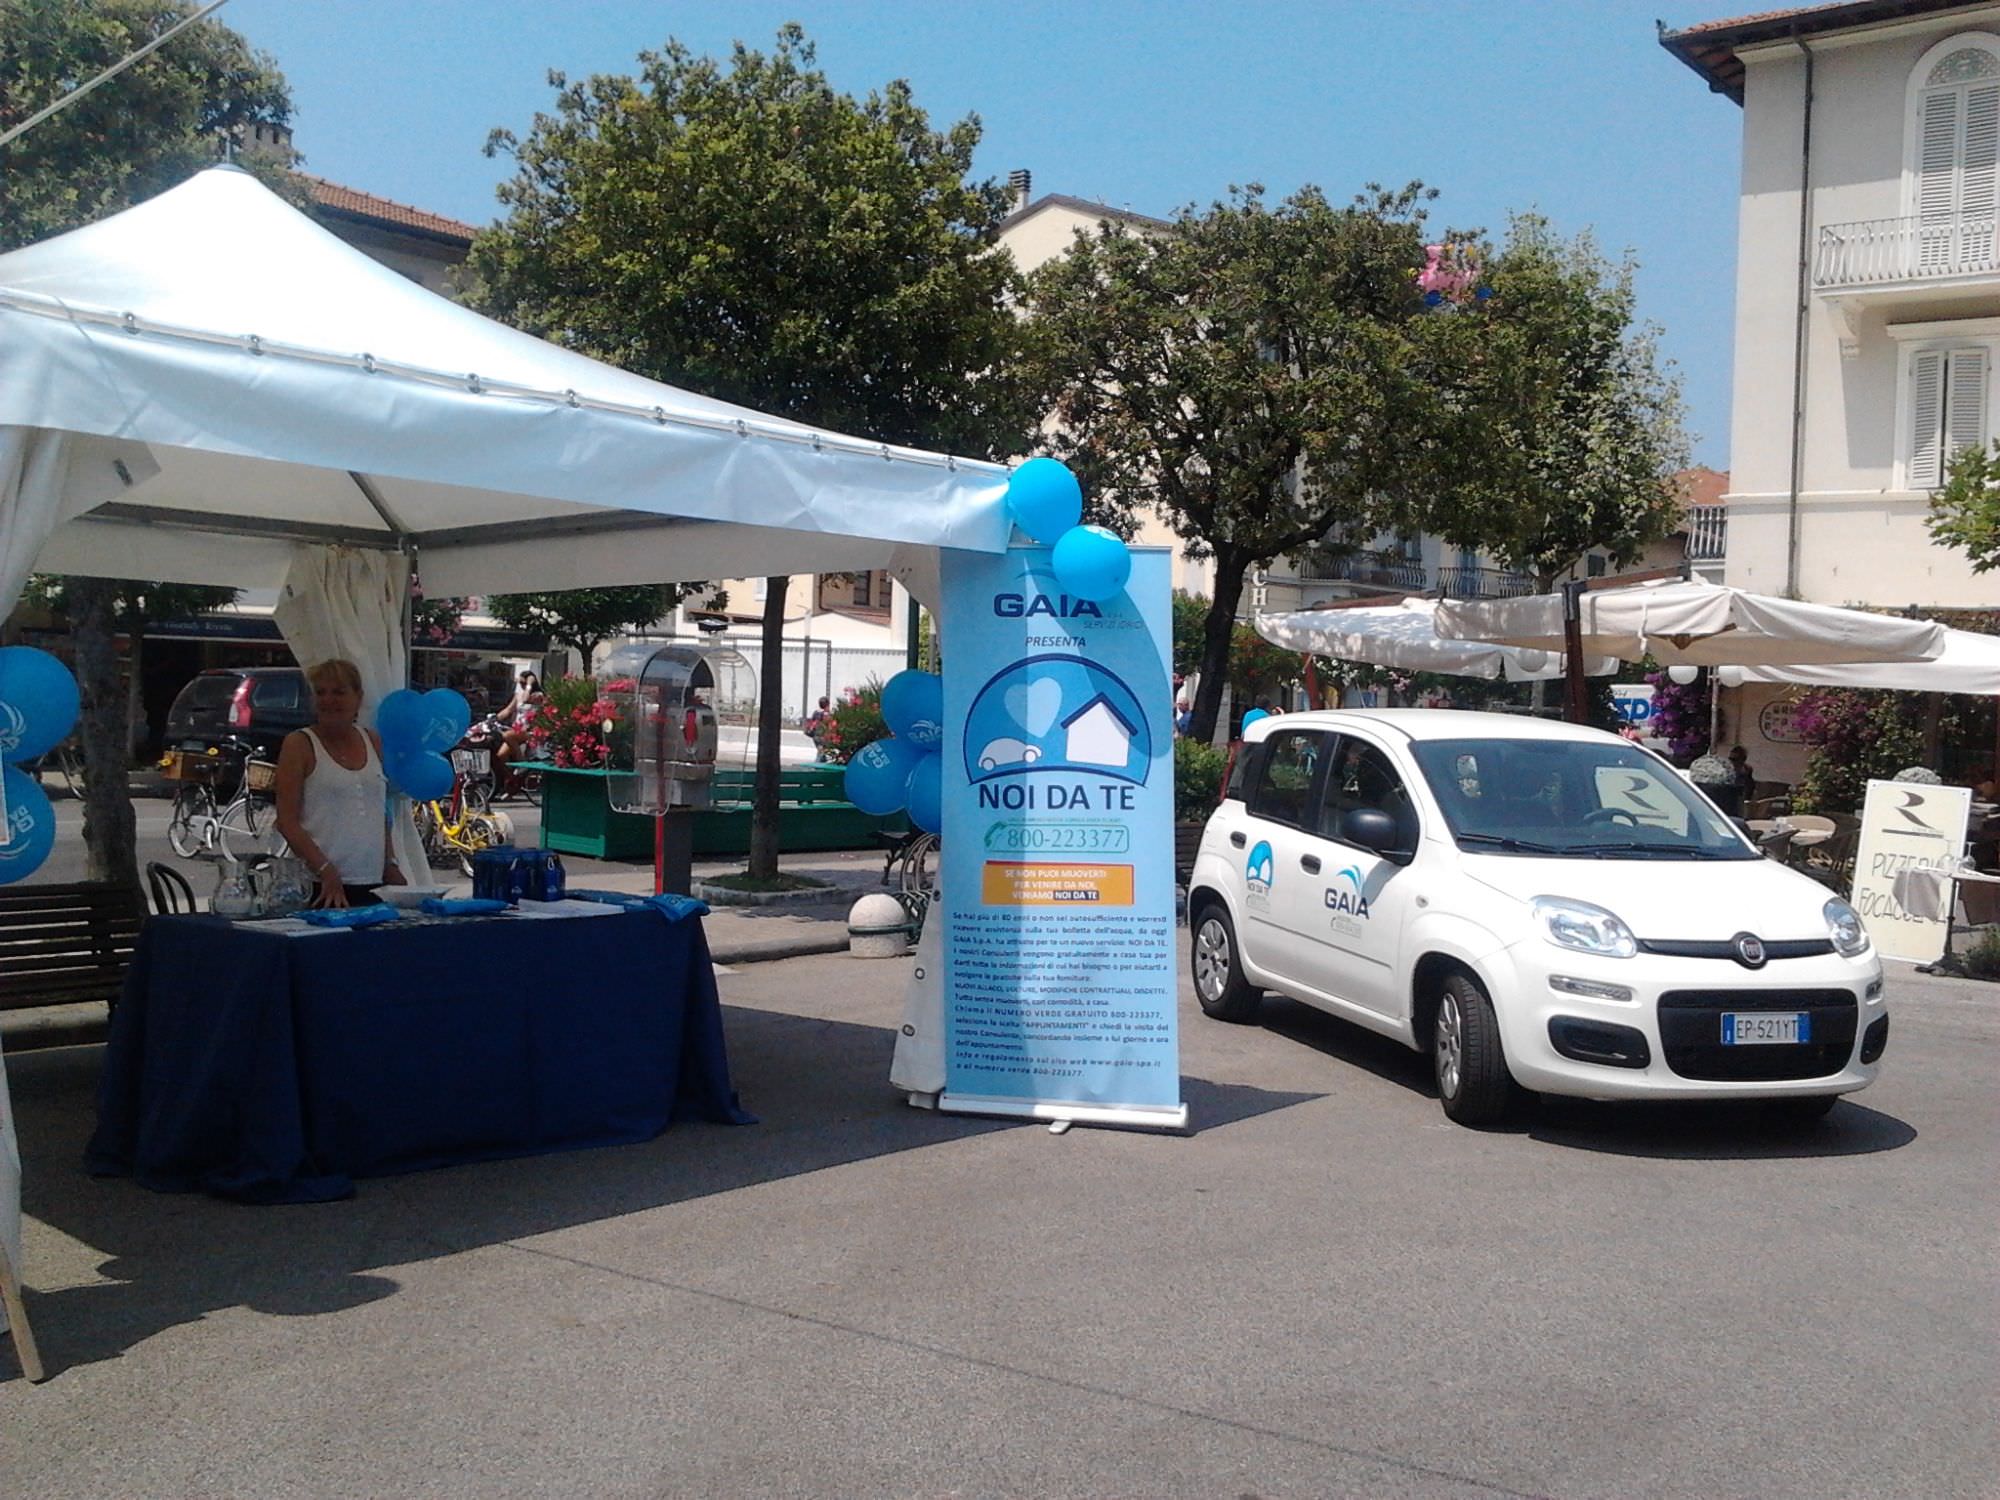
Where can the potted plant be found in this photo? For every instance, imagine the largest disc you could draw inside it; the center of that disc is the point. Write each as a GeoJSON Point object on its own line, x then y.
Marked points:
{"type": "Point", "coordinates": [1198, 769]}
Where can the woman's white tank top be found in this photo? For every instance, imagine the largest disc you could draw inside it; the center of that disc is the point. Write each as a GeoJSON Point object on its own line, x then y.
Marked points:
{"type": "Point", "coordinates": [346, 812]}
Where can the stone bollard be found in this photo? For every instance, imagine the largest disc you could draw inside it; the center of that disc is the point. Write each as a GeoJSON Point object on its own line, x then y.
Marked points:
{"type": "Point", "coordinates": [878, 927]}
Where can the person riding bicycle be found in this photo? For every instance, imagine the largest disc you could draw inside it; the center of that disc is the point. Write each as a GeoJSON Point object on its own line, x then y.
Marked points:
{"type": "Point", "coordinates": [518, 717]}
{"type": "Point", "coordinates": [333, 798]}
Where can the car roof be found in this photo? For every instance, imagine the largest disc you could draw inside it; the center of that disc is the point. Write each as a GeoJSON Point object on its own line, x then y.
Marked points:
{"type": "Point", "coordinates": [248, 671]}
{"type": "Point", "coordinates": [1428, 724]}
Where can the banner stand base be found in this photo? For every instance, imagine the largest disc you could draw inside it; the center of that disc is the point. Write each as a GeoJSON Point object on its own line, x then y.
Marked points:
{"type": "Point", "coordinates": [1167, 1117]}
{"type": "Point", "coordinates": [918, 1099]}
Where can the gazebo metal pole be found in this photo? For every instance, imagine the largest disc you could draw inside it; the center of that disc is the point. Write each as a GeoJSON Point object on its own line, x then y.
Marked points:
{"type": "Point", "coordinates": [1576, 701]}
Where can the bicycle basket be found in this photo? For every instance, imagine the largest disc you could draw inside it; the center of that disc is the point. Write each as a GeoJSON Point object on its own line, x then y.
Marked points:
{"type": "Point", "coordinates": [189, 765]}
{"type": "Point", "coordinates": [472, 762]}
{"type": "Point", "coordinates": [260, 775]}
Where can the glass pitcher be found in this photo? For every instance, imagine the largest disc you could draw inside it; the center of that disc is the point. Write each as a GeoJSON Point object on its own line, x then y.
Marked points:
{"type": "Point", "coordinates": [235, 897]}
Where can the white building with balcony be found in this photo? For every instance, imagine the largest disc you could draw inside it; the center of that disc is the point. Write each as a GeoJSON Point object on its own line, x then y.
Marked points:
{"type": "Point", "coordinates": [1867, 289]}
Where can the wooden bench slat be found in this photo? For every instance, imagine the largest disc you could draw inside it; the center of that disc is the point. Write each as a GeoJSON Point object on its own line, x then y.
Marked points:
{"type": "Point", "coordinates": [67, 943]}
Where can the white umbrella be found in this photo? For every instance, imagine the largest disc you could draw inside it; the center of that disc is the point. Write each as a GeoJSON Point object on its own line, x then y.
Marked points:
{"type": "Point", "coordinates": [1969, 663]}
{"type": "Point", "coordinates": [1404, 635]}
{"type": "Point", "coordinates": [1685, 622]}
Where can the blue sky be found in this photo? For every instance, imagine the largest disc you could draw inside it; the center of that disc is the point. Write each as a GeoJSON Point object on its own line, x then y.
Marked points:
{"type": "Point", "coordinates": [1569, 107]}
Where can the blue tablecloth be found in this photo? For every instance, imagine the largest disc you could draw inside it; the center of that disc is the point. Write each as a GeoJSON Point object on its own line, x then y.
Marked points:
{"type": "Point", "coordinates": [276, 1069]}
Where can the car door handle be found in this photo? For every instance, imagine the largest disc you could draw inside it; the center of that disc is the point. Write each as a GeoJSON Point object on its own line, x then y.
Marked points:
{"type": "Point", "coordinates": [1309, 863]}
{"type": "Point", "coordinates": [1236, 839]}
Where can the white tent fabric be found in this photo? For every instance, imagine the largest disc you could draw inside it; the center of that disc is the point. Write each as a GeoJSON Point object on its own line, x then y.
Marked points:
{"type": "Point", "coordinates": [1969, 663]}
{"type": "Point", "coordinates": [270, 385]}
{"type": "Point", "coordinates": [1404, 635]}
{"type": "Point", "coordinates": [339, 602]}
{"type": "Point", "coordinates": [1690, 623]}
{"type": "Point", "coordinates": [33, 468]}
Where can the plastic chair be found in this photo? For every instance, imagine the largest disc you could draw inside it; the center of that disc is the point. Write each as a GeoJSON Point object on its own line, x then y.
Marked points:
{"type": "Point", "coordinates": [172, 895]}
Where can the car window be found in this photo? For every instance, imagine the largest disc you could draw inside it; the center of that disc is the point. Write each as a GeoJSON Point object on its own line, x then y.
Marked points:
{"type": "Point", "coordinates": [210, 690]}
{"type": "Point", "coordinates": [278, 693]}
{"type": "Point", "coordinates": [1283, 786]}
{"type": "Point", "coordinates": [1362, 775]}
{"type": "Point", "coordinates": [1582, 797]}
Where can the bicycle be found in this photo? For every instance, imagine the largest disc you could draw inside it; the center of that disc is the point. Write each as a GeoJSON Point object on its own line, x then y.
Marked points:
{"type": "Point", "coordinates": [454, 828]}
{"type": "Point", "coordinates": [65, 759]}
{"type": "Point", "coordinates": [917, 855]}
{"type": "Point", "coordinates": [201, 823]}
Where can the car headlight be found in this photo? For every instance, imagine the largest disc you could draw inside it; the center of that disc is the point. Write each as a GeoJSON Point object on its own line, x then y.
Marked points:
{"type": "Point", "coordinates": [1585, 928]}
{"type": "Point", "coordinates": [1843, 925]}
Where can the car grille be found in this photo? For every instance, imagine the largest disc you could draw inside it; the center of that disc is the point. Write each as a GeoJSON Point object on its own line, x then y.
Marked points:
{"type": "Point", "coordinates": [1774, 948]}
{"type": "Point", "coordinates": [1691, 1034]}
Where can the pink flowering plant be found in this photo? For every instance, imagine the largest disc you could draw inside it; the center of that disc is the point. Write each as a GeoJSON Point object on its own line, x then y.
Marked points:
{"type": "Point", "coordinates": [1680, 715]}
{"type": "Point", "coordinates": [570, 728]}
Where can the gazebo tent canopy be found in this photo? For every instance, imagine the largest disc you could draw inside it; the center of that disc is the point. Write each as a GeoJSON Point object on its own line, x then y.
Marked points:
{"type": "Point", "coordinates": [236, 381]}
{"type": "Point", "coordinates": [1403, 635]}
{"type": "Point", "coordinates": [1969, 663]}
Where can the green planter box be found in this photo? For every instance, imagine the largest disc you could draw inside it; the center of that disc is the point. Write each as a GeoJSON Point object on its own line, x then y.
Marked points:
{"type": "Point", "coordinates": [812, 816]}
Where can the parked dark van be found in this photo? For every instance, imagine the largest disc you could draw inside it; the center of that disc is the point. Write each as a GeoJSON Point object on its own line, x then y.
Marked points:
{"type": "Point", "coordinates": [258, 704]}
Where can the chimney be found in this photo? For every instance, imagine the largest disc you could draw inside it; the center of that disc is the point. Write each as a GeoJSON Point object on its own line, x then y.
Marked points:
{"type": "Point", "coordinates": [1018, 182]}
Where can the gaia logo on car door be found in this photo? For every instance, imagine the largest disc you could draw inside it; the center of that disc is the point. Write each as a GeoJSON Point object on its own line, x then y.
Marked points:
{"type": "Point", "coordinates": [1348, 905]}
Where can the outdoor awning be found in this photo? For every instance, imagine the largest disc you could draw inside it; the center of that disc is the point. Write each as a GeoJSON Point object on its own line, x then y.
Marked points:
{"type": "Point", "coordinates": [1691, 623]}
{"type": "Point", "coordinates": [1403, 635]}
{"type": "Point", "coordinates": [1969, 663]}
{"type": "Point", "coordinates": [245, 381]}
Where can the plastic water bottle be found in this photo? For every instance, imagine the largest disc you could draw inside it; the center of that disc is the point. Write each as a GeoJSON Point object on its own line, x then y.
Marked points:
{"type": "Point", "coordinates": [554, 882]}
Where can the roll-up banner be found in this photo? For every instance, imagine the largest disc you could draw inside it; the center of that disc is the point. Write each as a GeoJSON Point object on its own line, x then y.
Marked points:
{"type": "Point", "coordinates": [1058, 863]}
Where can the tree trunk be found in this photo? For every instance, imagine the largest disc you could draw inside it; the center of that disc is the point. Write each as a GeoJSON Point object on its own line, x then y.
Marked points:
{"type": "Point", "coordinates": [770, 724]}
{"type": "Point", "coordinates": [110, 833]}
{"type": "Point", "coordinates": [1216, 629]}
{"type": "Point", "coordinates": [136, 732]}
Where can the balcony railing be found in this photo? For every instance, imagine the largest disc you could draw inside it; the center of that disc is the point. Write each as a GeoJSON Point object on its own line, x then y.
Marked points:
{"type": "Point", "coordinates": [1462, 581]}
{"type": "Point", "coordinates": [1383, 569]}
{"type": "Point", "coordinates": [1707, 532]}
{"type": "Point", "coordinates": [1877, 252]}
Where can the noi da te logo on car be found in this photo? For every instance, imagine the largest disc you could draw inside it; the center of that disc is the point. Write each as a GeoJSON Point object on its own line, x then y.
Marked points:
{"type": "Point", "coordinates": [1259, 870]}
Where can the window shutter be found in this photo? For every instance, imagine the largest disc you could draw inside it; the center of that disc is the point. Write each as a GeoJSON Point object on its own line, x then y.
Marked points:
{"type": "Point", "coordinates": [1937, 178]}
{"type": "Point", "coordinates": [1926, 419]}
{"type": "Point", "coordinates": [1979, 178]}
{"type": "Point", "coordinates": [1964, 402]}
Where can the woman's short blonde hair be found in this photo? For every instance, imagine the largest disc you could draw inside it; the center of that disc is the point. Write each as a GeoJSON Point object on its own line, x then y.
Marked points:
{"type": "Point", "coordinates": [336, 669]}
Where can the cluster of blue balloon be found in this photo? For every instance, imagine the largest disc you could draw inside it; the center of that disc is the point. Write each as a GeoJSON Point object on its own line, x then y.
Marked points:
{"type": "Point", "coordinates": [904, 770]}
{"type": "Point", "coordinates": [416, 729]}
{"type": "Point", "coordinates": [1046, 502]}
{"type": "Point", "coordinates": [38, 706]}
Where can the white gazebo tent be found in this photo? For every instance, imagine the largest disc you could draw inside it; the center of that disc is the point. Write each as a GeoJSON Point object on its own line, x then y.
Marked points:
{"type": "Point", "coordinates": [1969, 663]}
{"type": "Point", "coordinates": [1403, 634]}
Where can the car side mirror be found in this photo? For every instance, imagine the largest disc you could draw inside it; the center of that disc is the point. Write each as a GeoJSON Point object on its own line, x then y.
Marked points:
{"type": "Point", "coordinates": [1372, 829]}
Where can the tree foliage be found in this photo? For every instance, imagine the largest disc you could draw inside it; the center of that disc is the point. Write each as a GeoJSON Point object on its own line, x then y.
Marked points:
{"type": "Point", "coordinates": [1256, 375]}
{"type": "Point", "coordinates": [584, 618]}
{"type": "Point", "coordinates": [1568, 420]}
{"type": "Point", "coordinates": [140, 134]}
{"type": "Point", "coordinates": [748, 232]}
{"type": "Point", "coordinates": [1965, 511]}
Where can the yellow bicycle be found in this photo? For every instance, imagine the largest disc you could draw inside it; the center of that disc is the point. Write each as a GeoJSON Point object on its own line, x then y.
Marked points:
{"type": "Point", "coordinates": [453, 830]}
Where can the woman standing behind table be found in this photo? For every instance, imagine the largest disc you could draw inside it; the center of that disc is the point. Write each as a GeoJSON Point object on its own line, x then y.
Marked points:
{"type": "Point", "coordinates": [333, 800]}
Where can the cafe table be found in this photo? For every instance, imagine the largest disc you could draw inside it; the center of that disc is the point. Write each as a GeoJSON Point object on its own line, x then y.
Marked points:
{"type": "Point", "coordinates": [275, 1067]}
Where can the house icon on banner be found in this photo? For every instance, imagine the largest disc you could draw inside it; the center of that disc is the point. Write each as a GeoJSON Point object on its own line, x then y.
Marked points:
{"type": "Point", "coordinates": [1098, 735]}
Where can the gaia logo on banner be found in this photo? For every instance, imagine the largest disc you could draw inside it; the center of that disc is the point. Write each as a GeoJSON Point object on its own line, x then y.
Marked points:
{"type": "Point", "coordinates": [1058, 898]}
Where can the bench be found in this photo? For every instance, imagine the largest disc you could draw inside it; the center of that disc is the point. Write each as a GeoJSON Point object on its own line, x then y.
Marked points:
{"type": "Point", "coordinates": [64, 945]}
{"type": "Point", "coordinates": [813, 814]}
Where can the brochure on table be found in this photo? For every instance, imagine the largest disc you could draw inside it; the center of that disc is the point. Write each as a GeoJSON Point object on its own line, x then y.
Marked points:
{"type": "Point", "coordinates": [1058, 872]}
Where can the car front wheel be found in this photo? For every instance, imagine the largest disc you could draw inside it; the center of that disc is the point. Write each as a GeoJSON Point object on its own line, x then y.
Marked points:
{"type": "Point", "coordinates": [1218, 972]}
{"type": "Point", "coordinates": [1472, 1079]}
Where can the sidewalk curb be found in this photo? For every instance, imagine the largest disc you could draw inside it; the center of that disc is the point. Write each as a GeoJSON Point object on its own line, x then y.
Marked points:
{"type": "Point", "coordinates": [804, 946]}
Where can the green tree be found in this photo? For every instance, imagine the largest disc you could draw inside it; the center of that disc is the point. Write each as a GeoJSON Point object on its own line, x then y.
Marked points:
{"type": "Point", "coordinates": [153, 125]}
{"type": "Point", "coordinates": [1965, 511]}
{"type": "Point", "coordinates": [136, 135]}
{"type": "Point", "coordinates": [1257, 376]}
{"type": "Point", "coordinates": [748, 232]}
{"type": "Point", "coordinates": [1190, 611]}
{"type": "Point", "coordinates": [1567, 418]}
{"type": "Point", "coordinates": [582, 619]}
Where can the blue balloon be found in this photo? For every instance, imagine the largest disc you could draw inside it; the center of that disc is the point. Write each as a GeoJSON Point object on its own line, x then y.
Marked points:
{"type": "Point", "coordinates": [400, 720]}
{"type": "Point", "coordinates": [421, 774]}
{"type": "Point", "coordinates": [878, 777]}
{"type": "Point", "coordinates": [1253, 716]}
{"type": "Point", "coordinates": [1044, 499]}
{"type": "Point", "coordinates": [446, 718]}
{"type": "Point", "coordinates": [1091, 563]}
{"type": "Point", "coordinates": [38, 703]}
{"type": "Point", "coordinates": [927, 793]}
{"type": "Point", "coordinates": [30, 829]}
{"type": "Point", "coordinates": [913, 707]}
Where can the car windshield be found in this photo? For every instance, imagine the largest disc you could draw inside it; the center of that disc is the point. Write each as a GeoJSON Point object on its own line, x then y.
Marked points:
{"type": "Point", "coordinates": [1586, 799]}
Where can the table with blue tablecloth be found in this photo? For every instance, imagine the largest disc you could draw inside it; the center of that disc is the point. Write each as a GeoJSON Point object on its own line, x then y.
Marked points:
{"type": "Point", "coordinates": [276, 1069]}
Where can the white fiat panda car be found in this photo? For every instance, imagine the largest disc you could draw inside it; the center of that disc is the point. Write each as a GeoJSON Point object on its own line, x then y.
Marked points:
{"type": "Point", "coordinates": [1533, 904]}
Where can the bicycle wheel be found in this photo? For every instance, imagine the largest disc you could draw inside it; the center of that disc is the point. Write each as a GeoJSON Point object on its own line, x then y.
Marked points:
{"type": "Point", "coordinates": [530, 784]}
{"type": "Point", "coordinates": [190, 802]}
{"type": "Point", "coordinates": [479, 831]}
{"type": "Point", "coordinates": [920, 865]}
{"type": "Point", "coordinates": [478, 792]}
{"type": "Point", "coordinates": [70, 759]}
{"type": "Point", "coordinates": [430, 829]}
{"type": "Point", "coordinates": [246, 827]}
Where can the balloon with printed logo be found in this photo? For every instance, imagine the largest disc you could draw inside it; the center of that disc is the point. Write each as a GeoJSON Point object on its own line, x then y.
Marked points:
{"type": "Point", "coordinates": [400, 720]}
{"type": "Point", "coordinates": [927, 793]}
{"type": "Point", "coordinates": [421, 774]}
{"type": "Point", "coordinates": [446, 718]}
{"type": "Point", "coordinates": [913, 707]}
{"type": "Point", "coordinates": [1091, 563]}
{"type": "Point", "coordinates": [30, 827]}
{"type": "Point", "coordinates": [878, 777]}
{"type": "Point", "coordinates": [1044, 499]}
{"type": "Point", "coordinates": [38, 703]}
